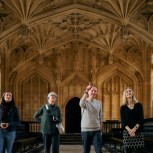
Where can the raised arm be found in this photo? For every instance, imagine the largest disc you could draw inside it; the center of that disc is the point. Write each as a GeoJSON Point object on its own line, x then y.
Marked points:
{"type": "Point", "coordinates": [85, 95]}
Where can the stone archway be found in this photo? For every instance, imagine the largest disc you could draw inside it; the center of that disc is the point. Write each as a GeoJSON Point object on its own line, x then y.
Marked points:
{"type": "Point", "coordinates": [73, 116]}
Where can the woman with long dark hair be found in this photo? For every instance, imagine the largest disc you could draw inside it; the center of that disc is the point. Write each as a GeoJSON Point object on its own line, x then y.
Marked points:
{"type": "Point", "coordinates": [9, 120]}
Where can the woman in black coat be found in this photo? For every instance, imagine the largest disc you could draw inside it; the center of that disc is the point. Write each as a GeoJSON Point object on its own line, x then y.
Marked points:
{"type": "Point", "coordinates": [132, 118]}
{"type": "Point", "coordinates": [9, 120]}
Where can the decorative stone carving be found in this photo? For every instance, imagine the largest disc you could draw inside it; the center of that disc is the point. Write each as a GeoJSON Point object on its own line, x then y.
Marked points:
{"type": "Point", "coordinates": [16, 56]}
{"type": "Point", "coordinates": [125, 33]}
{"type": "Point", "coordinates": [3, 12]}
{"type": "Point", "coordinates": [76, 41]}
{"type": "Point", "coordinates": [25, 33]}
{"type": "Point", "coordinates": [75, 23]}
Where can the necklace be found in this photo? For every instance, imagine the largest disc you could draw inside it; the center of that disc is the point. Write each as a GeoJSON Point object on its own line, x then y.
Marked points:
{"type": "Point", "coordinates": [131, 106]}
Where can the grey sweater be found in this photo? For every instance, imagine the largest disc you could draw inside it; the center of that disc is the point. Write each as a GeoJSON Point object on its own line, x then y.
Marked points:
{"type": "Point", "coordinates": [91, 115]}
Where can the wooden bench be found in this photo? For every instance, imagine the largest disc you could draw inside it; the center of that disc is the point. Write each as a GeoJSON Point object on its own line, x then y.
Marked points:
{"type": "Point", "coordinates": [148, 135]}
{"type": "Point", "coordinates": [24, 145]}
{"type": "Point", "coordinates": [25, 140]}
{"type": "Point", "coordinates": [116, 140]}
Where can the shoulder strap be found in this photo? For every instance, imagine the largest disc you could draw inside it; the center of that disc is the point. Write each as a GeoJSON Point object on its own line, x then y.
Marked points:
{"type": "Point", "coordinates": [47, 107]}
{"type": "Point", "coordinates": [48, 110]}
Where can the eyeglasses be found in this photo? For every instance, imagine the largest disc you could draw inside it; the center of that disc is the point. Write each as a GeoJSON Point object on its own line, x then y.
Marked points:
{"type": "Point", "coordinates": [54, 96]}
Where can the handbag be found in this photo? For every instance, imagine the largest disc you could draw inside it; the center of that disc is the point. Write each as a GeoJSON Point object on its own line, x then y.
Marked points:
{"type": "Point", "coordinates": [60, 128]}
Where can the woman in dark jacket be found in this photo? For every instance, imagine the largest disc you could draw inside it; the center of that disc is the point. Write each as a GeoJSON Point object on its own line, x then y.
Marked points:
{"type": "Point", "coordinates": [9, 120]}
{"type": "Point", "coordinates": [49, 115]}
{"type": "Point", "coordinates": [132, 118]}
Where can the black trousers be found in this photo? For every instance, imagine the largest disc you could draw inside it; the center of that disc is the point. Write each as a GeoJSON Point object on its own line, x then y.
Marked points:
{"type": "Point", "coordinates": [51, 141]}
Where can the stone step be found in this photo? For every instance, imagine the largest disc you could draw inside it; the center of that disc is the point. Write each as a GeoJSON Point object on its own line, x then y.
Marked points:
{"type": "Point", "coordinates": [71, 138]}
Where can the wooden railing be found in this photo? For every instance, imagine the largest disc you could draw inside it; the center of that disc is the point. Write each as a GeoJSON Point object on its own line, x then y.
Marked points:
{"type": "Point", "coordinates": [33, 126]}
{"type": "Point", "coordinates": [108, 125]}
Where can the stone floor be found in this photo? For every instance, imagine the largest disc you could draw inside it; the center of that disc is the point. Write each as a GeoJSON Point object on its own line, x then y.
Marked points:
{"type": "Point", "coordinates": [76, 149]}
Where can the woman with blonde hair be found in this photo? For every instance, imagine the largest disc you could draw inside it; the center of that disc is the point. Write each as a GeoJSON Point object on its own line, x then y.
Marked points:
{"type": "Point", "coordinates": [132, 119]}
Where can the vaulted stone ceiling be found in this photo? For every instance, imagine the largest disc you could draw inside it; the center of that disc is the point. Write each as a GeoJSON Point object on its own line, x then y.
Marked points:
{"type": "Point", "coordinates": [73, 42]}
{"type": "Point", "coordinates": [116, 28]}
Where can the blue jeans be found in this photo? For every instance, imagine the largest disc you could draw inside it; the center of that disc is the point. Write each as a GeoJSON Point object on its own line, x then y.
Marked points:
{"type": "Point", "coordinates": [92, 137]}
{"type": "Point", "coordinates": [53, 140]}
{"type": "Point", "coordinates": [7, 139]}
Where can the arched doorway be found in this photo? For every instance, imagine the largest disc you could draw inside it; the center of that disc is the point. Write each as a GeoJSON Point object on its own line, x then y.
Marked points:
{"type": "Point", "coordinates": [73, 116]}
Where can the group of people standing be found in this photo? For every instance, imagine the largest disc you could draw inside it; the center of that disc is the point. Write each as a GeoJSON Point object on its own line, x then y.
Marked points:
{"type": "Point", "coordinates": [49, 115]}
